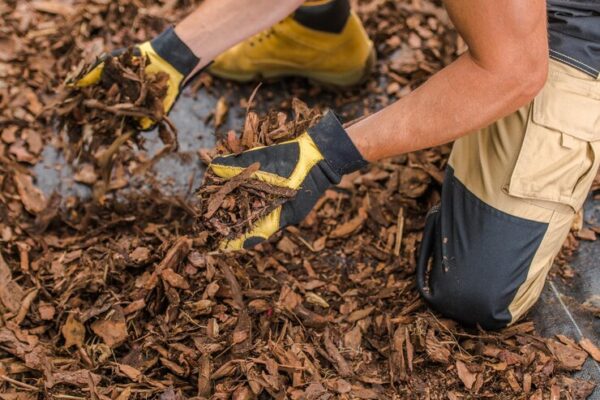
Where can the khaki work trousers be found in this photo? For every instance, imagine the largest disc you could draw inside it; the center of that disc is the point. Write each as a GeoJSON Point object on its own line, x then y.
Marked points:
{"type": "Point", "coordinates": [508, 201]}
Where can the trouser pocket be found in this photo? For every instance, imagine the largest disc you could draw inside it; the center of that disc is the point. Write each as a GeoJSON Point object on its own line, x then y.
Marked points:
{"type": "Point", "coordinates": [560, 153]}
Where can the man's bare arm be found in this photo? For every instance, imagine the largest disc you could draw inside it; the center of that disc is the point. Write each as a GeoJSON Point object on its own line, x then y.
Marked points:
{"type": "Point", "coordinates": [505, 67]}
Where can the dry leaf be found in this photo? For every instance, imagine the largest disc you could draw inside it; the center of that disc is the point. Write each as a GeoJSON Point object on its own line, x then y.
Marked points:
{"type": "Point", "coordinates": [73, 331]}
{"type": "Point", "coordinates": [465, 375]}
{"type": "Point", "coordinates": [591, 348]}
{"type": "Point", "coordinates": [174, 279]}
{"type": "Point", "coordinates": [113, 330]}
{"type": "Point", "coordinates": [32, 198]}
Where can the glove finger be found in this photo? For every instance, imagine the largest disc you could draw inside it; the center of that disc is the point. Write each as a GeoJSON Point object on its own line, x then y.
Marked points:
{"type": "Point", "coordinates": [277, 163]}
{"type": "Point", "coordinates": [92, 77]}
{"type": "Point", "coordinates": [95, 74]}
{"type": "Point", "coordinates": [146, 123]}
{"type": "Point", "coordinates": [262, 230]}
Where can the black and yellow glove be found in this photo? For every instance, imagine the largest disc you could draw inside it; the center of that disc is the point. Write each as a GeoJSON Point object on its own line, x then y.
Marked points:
{"type": "Point", "coordinates": [310, 164]}
{"type": "Point", "coordinates": [167, 53]}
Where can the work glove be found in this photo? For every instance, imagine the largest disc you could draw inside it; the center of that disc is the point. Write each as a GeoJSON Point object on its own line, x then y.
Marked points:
{"type": "Point", "coordinates": [166, 53]}
{"type": "Point", "coordinates": [311, 163]}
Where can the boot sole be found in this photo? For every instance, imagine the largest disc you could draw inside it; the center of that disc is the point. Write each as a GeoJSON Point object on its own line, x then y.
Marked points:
{"type": "Point", "coordinates": [331, 79]}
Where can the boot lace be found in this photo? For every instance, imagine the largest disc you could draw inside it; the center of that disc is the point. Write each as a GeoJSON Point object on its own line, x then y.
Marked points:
{"type": "Point", "coordinates": [264, 35]}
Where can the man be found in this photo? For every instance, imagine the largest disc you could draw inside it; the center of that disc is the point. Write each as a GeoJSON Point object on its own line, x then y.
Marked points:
{"type": "Point", "coordinates": [527, 130]}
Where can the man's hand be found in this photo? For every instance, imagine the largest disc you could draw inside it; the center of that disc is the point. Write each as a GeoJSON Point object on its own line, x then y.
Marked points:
{"type": "Point", "coordinates": [311, 163]}
{"type": "Point", "coordinates": [166, 53]}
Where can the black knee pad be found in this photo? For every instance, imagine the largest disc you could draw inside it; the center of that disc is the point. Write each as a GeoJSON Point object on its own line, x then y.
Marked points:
{"type": "Point", "coordinates": [474, 258]}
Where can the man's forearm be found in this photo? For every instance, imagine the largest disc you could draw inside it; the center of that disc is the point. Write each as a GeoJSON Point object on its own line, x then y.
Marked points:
{"type": "Point", "coordinates": [504, 68]}
{"type": "Point", "coordinates": [217, 25]}
{"type": "Point", "coordinates": [457, 100]}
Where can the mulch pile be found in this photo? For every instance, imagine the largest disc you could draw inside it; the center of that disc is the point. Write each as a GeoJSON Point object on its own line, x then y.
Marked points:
{"type": "Point", "coordinates": [128, 299]}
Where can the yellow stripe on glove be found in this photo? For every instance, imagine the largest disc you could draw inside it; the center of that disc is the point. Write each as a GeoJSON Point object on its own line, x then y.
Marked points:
{"type": "Point", "coordinates": [307, 155]}
{"type": "Point", "coordinates": [156, 64]}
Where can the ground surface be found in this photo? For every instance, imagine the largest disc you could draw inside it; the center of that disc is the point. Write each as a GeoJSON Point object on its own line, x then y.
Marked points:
{"type": "Point", "coordinates": [114, 301]}
{"type": "Point", "coordinates": [557, 312]}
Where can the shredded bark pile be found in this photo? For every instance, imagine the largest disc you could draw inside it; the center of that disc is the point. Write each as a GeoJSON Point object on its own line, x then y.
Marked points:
{"type": "Point", "coordinates": [127, 299]}
{"type": "Point", "coordinates": [124, 300]}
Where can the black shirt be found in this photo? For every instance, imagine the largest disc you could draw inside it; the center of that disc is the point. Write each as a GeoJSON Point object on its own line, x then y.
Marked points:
{"type": "Point", "coordinates": [574, 33]}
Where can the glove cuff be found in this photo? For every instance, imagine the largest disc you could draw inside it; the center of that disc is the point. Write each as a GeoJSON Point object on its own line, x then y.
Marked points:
{"type": "Point", "coordinates": [336, 146]}
{"type": "Point", "coordinates": [174, 51]}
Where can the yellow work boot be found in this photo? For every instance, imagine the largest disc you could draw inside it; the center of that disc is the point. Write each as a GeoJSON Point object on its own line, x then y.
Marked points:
{"type": "Point", "coordinates": [339, 55]}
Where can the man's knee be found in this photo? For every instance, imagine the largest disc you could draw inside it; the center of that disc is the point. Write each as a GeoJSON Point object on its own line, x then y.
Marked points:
{"type": "Point", "coordinates": [474, 258]}
{"type": "Point", "coordinates": [471, 306]}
